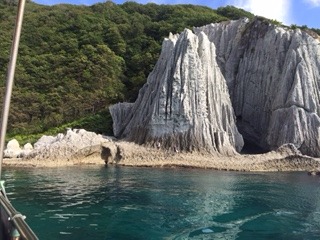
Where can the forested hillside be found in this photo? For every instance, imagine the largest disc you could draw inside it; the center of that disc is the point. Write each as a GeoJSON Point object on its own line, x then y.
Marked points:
{"type": "Point", "coordinates": [75, 61]}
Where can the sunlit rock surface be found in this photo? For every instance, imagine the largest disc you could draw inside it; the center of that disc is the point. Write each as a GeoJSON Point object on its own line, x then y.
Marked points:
{"type": "Point", "coordinates": [74, 144]}
{"type": "Point", "coordinates": [13, 149]}
{"type": "Point", "coordinates": [185, 104]}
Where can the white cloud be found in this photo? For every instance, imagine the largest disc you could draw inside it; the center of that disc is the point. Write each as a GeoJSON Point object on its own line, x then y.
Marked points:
{"type": "Point", "coordinates": [273, 9]}
{"type": "Point", "coordinates": [314, 3]}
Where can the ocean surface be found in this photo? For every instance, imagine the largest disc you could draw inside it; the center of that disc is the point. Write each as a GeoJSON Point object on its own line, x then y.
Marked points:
{"type": "Point", "coordinates": [95, 202]}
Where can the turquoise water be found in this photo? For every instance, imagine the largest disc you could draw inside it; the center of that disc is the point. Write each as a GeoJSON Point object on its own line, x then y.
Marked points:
{"type": "Point", "coordinates": [146, 203]}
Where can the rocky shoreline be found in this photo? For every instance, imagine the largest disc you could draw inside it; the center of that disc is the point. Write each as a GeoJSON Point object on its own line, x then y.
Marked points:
{"type": "Point", "coordinates": [270, 162]}
{"type": "Point", "coordinates": [99, 150]}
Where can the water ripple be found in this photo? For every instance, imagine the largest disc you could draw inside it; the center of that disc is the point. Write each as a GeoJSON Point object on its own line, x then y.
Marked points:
{"type": "Point", "coordinates": [99, 203]}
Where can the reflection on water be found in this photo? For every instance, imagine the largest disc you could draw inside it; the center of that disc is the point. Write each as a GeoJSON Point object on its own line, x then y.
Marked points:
{"type": "Point", "coordinates": [144, 203]}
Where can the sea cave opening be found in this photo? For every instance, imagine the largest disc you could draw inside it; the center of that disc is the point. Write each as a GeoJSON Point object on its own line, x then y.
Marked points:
{"type": "Point", "coordinates": [251, 148]}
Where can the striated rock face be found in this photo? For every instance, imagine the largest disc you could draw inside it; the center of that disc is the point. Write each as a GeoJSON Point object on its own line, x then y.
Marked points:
{"type": "Point", "coordinates": [273, 79]}
{"type": "Point", "coordinates": [185, 104]}
{"type": "Point", "coordinates": [273, 75]}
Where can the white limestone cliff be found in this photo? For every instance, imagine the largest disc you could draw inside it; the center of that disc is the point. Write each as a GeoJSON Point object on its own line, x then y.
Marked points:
{"type": "Point", "coordinates": [185, 104]}
{"type": "Point", "coordinates": [273, 75]}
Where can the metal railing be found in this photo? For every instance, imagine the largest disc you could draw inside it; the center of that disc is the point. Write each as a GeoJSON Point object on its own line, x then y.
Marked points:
{"type": "Point", "coordinates": [12, 222]}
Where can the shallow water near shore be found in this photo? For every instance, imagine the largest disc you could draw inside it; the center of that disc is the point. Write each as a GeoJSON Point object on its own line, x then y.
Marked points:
{"type": "Point", "coordinates": [94, 202]}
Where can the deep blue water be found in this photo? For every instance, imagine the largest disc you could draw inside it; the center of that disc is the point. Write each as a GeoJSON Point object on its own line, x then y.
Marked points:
{"type": "Point", "coordinates": [148, 203]}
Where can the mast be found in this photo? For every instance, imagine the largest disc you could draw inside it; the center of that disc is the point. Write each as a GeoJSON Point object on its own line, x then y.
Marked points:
{"type": "Point", "coordinates": [19, 228]}
{"type": "Point", "coordinates": [10, 79]}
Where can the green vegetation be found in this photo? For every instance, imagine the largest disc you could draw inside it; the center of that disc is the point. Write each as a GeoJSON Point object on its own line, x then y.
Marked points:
{"type": "Point", "coordinates": [316, 30]}
{"type": "Point", "coordinates": [293, 26]}
{"type": "Point", "coordinates": [275, 22]}
{"type": "Point", "coordinates": [234, 13]}
{"type": "Point", "coordinates": [74, 61]}
{"type": "Point", "coordinates": [100, 122]}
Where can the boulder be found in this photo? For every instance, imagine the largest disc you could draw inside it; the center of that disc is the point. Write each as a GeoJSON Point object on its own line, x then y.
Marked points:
{"type": "Point", "coordinates": [13, 149]}
{"type": "Point", "coordinates": [75, 144]}
{"type": "Point", "coordinates": [27, 149]}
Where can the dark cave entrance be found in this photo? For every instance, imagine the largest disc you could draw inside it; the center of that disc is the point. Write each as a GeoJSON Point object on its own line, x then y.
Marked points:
{"type": "Point", "coordinates": [251, 148]}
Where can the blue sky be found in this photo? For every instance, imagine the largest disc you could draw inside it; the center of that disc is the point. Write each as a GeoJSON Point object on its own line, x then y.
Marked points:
{"type": "Point", "coordinates": [300, 12]}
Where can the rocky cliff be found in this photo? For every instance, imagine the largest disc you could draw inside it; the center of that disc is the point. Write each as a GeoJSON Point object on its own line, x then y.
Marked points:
{"type": "Point", "coordinates": [273, 75]}
{"type": "Point", "coordinates": [270, 73]}
{"type": "Point", "coordinates": [185, 104]}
